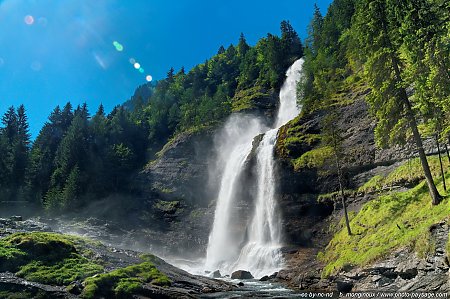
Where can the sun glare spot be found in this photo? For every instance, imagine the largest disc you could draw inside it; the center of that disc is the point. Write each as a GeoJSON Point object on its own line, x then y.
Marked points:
{"type": "Point", "coordinates": [137, 65]}
{"type": "Point", "coordinates": [149, 78]}
{"type": "Point", "coordinates": [118, 46]}
{"type": "Point", "coordinates": [29, 20]}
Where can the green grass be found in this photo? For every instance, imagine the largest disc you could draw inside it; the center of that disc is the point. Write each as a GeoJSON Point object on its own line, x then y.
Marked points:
{"type": "Point", "coordinates": [314, 158]}
{"type": "Point", "coordinates": [410, 173]}
{"type": "Point", "coordinates": [47, 257]}
{"type": "Point", "coordinates": [374, 184]}
{"type": "Point", "coordinates": [124, 282]}
{"type": "Point", "coordinates": [388, 222]}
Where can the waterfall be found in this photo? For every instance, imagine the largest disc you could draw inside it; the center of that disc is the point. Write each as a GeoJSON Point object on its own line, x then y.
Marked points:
{"type": "Point", "coordinates": [261, 253]}
{"type": "Point", "coordinates": [234, 145]}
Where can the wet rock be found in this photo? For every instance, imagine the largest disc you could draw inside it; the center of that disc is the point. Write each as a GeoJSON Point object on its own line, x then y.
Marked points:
{"type": "Point", "coordinates": [75, 288]}
{"type": "Point", "coordinates": [241, 284]}
{"type": "Point", "coordinates": [275, 274]}
{"type": "Point", "coordinates": [216, 274]}
{"type": "Point", "coordinates": [16, 218]}
{"type": "Point", "coordinates": [241, 274]}
{"type": "Point", "coordinates": [206, 290]}
{"type": "Point", "coordinates": [264, 278]}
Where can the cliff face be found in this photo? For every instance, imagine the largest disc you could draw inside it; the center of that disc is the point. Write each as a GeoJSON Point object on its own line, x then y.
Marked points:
{"type": "Point", "coordinates": [178, 188]}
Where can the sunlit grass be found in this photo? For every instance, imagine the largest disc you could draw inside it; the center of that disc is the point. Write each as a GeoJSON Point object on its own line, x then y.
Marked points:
{"type": "Point", "coordinates": [391, 221]}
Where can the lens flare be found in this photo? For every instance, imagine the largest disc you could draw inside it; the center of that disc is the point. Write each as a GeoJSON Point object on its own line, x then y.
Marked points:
{"type": "Point", "coordinates": [29, 20]}
{"type": "Point", "coordinates": [141, 70]}
{"type": "Point", "coordinates": [137, 65]}
{"type": "Point", "coordinates": [118, 46]}
{"type": "Point", "coordinates": [149, 78]}
{"type": "Point", "coordinates": [132, 60]}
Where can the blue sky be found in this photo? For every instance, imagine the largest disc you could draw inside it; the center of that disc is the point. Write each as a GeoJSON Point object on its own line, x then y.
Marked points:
{"type": "Point", "coordinates": [54, 51]}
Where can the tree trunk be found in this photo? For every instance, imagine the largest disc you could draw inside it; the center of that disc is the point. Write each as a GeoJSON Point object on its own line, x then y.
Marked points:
{"type": "Point", "coordinates": [434, 193]}
{"type": "Point", "coordinates": [341, 189]}
{"type": "Point", "coordinates": [440, 163]}
{"type": "Point", "coordinates": [403, 97]}
{"type": "Point", "coordinates": [448, 154]}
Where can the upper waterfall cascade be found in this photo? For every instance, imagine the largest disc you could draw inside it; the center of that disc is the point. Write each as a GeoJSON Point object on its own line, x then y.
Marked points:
{"type": "Point", "coordinates": [260, 252]}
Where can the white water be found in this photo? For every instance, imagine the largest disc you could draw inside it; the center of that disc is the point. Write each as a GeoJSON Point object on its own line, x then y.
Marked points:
{"type": "Point", "coordinates": [261, 254]}
{"type": "Point", "coordinates": [235, 144]}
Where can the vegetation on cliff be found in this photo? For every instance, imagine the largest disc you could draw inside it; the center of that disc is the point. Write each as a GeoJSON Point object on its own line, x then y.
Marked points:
{"type": "Point", "coordinates": [77, 158]}
{"type": "Point", "coordinates": [392, 220]}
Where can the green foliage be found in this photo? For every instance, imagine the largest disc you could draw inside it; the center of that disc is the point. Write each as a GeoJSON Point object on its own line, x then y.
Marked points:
{"type": "Point", "coordinates": [47, 257]}
{"type": "Point", "coordinates": [76, 159]}
{"type": "Point", "coordinates": [326, 64]}
{"type": "Point", "coordinates": [124, 282]}
{"type": "Point", "coordinates": [388, 222]}
{"type": "Point", "coordinates": [245, 99]}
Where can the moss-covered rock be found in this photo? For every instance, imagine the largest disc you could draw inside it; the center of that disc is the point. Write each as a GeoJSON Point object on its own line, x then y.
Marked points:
{"type": "Point", "coordinates": [48, 258]}
{"type": "Point", "coordinates": [124, 282]}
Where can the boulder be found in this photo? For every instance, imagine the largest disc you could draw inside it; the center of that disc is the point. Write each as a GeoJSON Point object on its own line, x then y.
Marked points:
{"type": "Point", "coordinates": [264, 278]}
{"type": "Point", "coordinates": [241, 274]}
{"type": "Point", "coordinates": [216, 274]}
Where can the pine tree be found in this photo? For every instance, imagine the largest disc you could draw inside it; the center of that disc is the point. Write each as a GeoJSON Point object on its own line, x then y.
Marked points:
{"type": "Point", "coordinates": [242, 46]}
{"type": "Point", "coordinates": [314, 40]}
{"type": "Point", "coordinates": [221, 50]}
{"type": "Point", "coordinates": [379, 41]}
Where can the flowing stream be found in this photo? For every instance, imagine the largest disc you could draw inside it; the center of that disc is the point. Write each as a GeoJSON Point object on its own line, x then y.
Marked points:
{"type": "Point", "coordinates": [259, 252]}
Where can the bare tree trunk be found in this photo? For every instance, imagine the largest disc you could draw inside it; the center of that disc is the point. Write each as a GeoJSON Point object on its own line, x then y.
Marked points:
{"type": "Point", "coordinates": [341, 189]}
{"type": "Point", "coordinates": [434, 193]}
{"type": "Point", "coordinates": [440, 163]}
{"type": "Point", "coordinates": [448, 154]}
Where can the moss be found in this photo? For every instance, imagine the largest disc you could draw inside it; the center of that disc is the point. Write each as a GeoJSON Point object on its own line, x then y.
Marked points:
{"type": "Point", "coordinates": [424, 245]}
{"type": "Point", "coordinates": [314, 158]}
{"type": "Point", "coordinates": [60, 273]}
{"type": "Point", "coordinates": [167, 206]}
{"type": "Point", "coordinates": [388, 222]}
{"type": "Point", "coordinates": [124, 282]}
{"type": "Point", "coordinates": [410, 172]}
{"type": "Point", "coordinates": [23, 294]}
{"type": "Point", "coordinates": [447, 248]}
{"type": "Point", "coordinates": [334, 196]}
{"type": "Point", "coordinates": [47, 257]}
